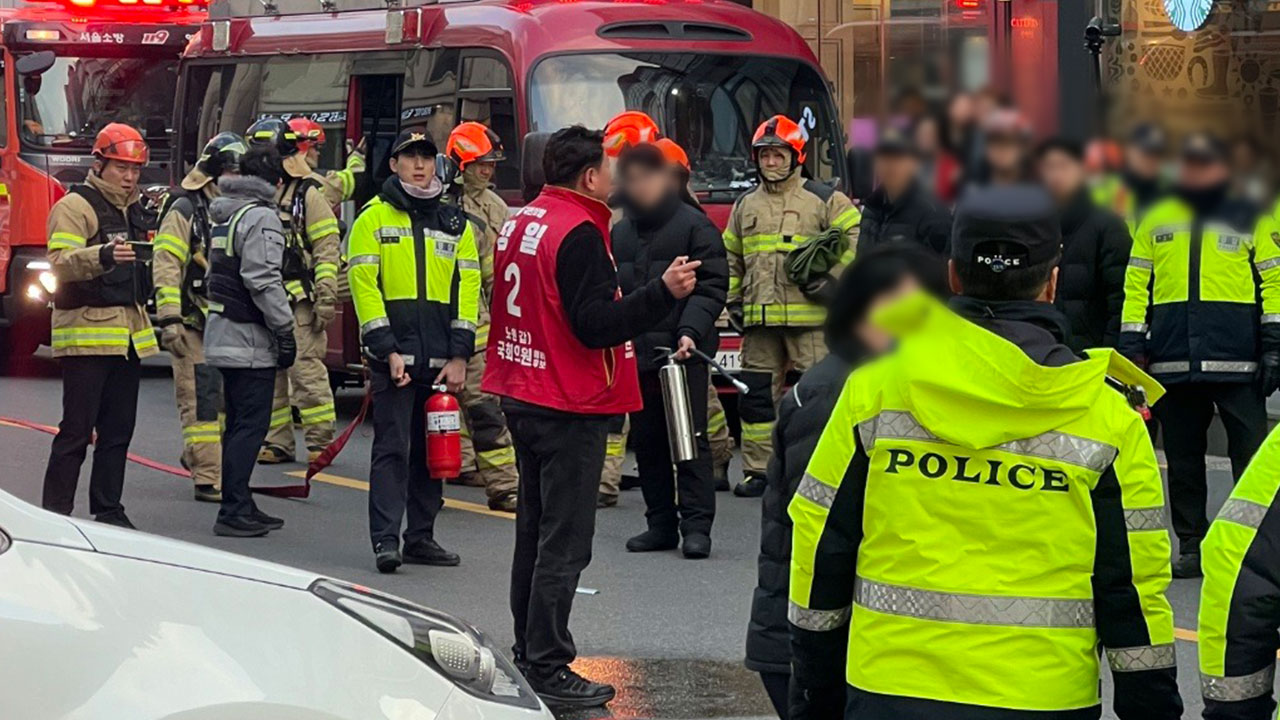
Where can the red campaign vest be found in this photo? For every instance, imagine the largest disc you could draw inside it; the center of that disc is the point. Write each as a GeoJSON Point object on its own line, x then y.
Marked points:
{"type": "Point", "coordinates": [533, 355]}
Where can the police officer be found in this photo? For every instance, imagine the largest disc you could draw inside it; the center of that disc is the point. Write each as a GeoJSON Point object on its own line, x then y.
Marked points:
{"type": "Point", "coordinates": [178, 272]}
{"type": "Point", "coordinates": [311, 277]}
{"type": "Point", "coordinates": [1138, 187]}
{"type": "Point", "coordinates": [967, 545]}
{"type": "Point", "coordinates": [477, 150]}
{"type": "Point", "coordinates": [100, 325]}
{"type": "Point", "coordinates": [1192, 284]}
{"type": "Point", "coordinates": [901, 208]}
{"type": "Point", "coordinates": [1240, 594]}
{"type": "Point", "coordinates": [418, 330]}
{"type": "Point", "coordinates": [783, 324]}
{"type": "Point", "coordinates": [337, 185]}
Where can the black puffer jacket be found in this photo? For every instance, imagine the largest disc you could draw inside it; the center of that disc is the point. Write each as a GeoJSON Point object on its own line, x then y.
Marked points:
{"type": "Point", "coordinates": [917, 215]}
{"type": "Point", "coordinates": [645, 243]}
{"type": "Point", "coordinates": [802, 415]}
{"type": "Point", "coordinates": [1095, 252]}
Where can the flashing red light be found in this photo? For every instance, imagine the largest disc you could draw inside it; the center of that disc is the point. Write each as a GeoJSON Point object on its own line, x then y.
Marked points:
{"type": "Point", "coordinates": [126, 4]}
{"type": "Point", "coordinates": [969, 4]}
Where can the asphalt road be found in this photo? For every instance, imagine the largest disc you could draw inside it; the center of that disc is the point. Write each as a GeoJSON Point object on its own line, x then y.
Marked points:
{"type": "Point", "coordinates": [668, 631]}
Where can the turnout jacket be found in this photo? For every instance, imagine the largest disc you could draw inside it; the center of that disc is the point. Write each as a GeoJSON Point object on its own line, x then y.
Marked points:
{"type": "Point", "coordinates": [1240, 597]}
{"type": "Point", "coordinates": [487, 213]}
{"type": "Point", "coordinates": [313, 249]}
{"type": "Point", "coordinates": [78, 252]}
{"type": "Point", "coordinates": [977, 541]}
{"type": "Point", "coordinates": [182, 254]}
{"type": "Point", "coordinates": [415, 278]}
{"type": "Point", "coordinates": [1091, 273]}
{"type": "Point", "coordinates": [768, 222]}
{"type": "Point", "coordinates": [1204, 280]}
{"type": "Point", "coordinates": [916, 216]}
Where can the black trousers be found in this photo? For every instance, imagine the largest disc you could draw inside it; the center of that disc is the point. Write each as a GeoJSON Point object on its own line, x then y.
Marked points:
{"type": "Point", "coordinates": [777, 686]}
{"type": "Point", "coordinates": [99, 393]}
{"type": "Point", "coordinates": [559, 458]}
{"type": "Point", "coordinates": [399, 482]}
{"type": "Point", "coordinates": [687, 495]}
{"type": "Point", "coordinates": [1185, 414]}
{"type": "Point", "coordinates": [247, 396]}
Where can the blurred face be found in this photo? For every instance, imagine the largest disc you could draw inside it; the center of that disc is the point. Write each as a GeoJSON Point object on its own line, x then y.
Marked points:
{"type": "Point", "coordinates": [1201, 174]}
{"type": "Point", "coordinates": [121, 174]}
{"type": "Point", "coordinates": [961, 111]}
{"type": "Point", "coordinates": [895, 171]}
{"type": "Point", "coordinates": [1062, 175]}
{"type": "Point", "coordinates": [313, 155]}
{"type": "Point", "coordinates": [1004, 154]}
{"type": "Point", "coordinates": [873, 338]}
{"type": "Point", "coordinates": [1243, 158]}
{"type": "Point", "coordinates": [927, 136]}
{"type": "Point", "coordinates": [645, 186]}
{"type": "Point", "coordinates": [1141, 163]}
{"type": "Point", "coordinates": [774, 160]}
{"type": "Point", "coordinates": [414, 167]}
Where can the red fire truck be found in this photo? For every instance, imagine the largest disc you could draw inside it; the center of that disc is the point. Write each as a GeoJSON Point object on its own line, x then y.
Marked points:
{"type": "Point", "coordinates": [709, 71]}
{"type": "Point", "coordinates": [68, 69]}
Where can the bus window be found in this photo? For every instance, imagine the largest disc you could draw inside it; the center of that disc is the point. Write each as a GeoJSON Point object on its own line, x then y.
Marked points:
{"type": "Point", "coordinates": [431, 93]}
{"type": "Point", "coordinates": [486, 96]}
{"type": "Point", "coordinates": [710, 104]}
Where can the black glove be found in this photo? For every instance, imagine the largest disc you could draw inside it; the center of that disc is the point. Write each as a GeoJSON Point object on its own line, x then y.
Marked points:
{"type": "Point", "coordinates": [736, 317]}
{"type": "Point", "coordinates": [286, 349]}
{"type": "Point", "coordinates": [1269, 373]}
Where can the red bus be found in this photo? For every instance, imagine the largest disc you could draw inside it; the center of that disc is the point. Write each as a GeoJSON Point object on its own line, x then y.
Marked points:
{"type": "Point", "coordinates": [709, 71]}
{"type": "Point", "coordinates": [69, 69]}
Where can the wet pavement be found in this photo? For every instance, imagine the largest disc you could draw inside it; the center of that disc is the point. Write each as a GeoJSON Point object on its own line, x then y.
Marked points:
{"type": "Point", "coordinates": [673, 689]}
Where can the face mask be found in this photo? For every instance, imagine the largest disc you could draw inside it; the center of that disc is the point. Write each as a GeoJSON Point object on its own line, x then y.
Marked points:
{"type": "Point", "coordinates": [776, 175]}
{"type": "Point", "coordinates": [471, 180]}
{"type": "Point", "coordinates": [432, 190]}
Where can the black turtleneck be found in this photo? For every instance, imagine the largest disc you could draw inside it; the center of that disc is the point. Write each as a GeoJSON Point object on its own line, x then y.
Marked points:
{"type": "Point", "coordinates": [1038, 328]}
{"type": "Point", "coordinates": [1204, 201]}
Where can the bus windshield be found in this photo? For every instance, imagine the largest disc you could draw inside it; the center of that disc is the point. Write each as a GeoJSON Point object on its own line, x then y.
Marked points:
{"type": "Point", "coordinates": [63, 108]}
{"type": "Point", "coordinates": [710, 104]}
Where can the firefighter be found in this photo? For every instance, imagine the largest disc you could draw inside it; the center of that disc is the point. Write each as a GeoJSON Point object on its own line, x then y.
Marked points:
{"type": "Point", "coordinates": [967, 546]}
{"type": "Point", "coordinates": [783, 322]}
{"type": "Point", "coordinates": [337, 185]}
{"type": "Point", "coordinates": [1240, 594]}
{"type": "Point", "coordinates": [417, 330]}
{"type": "Point", "coordinates": [477, 150]}
{"type": "Point", "coordinates": [1138, 187]}
{"type": "Point", "coordinates": [311, 277]}
{"type": "Point", "coordinates": [178, 273]}
{"type": "Point", "coordinates": [1192, 317]}
{"type": "Point", "coordinates": [101, 330]}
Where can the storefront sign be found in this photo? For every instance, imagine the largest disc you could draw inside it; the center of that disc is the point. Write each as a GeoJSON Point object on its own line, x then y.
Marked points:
{"type": "Point", "coordinates": [1188, 15]}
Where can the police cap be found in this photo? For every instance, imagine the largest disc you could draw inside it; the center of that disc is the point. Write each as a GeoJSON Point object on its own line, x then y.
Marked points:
{"type": "Point", "coordinates": [1150, 138]}
{"type": "Point", "coordinates": [415, 136]}
{"type": "Point", "coordinates": [1204, 147]}
{"type": "Point", "coordinates": [893, 141]}
{"type": "Point", "coordinates": [1006, 228]}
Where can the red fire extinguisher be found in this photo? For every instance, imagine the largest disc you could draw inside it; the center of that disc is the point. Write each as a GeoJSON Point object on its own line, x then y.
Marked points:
{"type": "Point", "coordinates": [444, 435]}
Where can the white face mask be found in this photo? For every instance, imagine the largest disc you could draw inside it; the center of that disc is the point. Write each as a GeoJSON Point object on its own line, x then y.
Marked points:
{"type": "Point", "coordinates": [430, 191]}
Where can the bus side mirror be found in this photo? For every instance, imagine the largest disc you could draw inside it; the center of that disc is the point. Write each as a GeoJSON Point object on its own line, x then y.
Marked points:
{"type": "Point", "coordinates": [531, 176]}
{"type": "Point", "coordinates": [36, 63]}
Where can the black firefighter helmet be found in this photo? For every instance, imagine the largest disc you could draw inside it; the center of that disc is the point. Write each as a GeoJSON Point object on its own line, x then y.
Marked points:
{"type": "Point", "coordinates": [222, 154]}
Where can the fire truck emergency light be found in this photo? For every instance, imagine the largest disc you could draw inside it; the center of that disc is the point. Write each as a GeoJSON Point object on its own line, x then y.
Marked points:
{"type": "Point", "coordinates": [125, 4]}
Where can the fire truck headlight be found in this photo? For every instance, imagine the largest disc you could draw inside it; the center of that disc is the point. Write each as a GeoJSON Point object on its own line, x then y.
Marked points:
{"type": "Point", "coordinates": [35, 293]}
{"type": "Point", "coordinates": [49, 282]}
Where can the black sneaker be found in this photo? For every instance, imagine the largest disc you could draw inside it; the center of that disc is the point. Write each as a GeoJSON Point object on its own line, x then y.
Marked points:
{"type": "Point", "coordinates": [208, 493]}
{"type": "Point", "coordinates": [272, 522]}
{"type": "Point", "coordinates": [240, 527]}
{"type": "Point", "coordinates": [429, 552]}
{"type": "Point", "coordinates": [722, 478]}
{"type": "Point", "coordinates": [629, 482]}
{"type": "Point", "coordinates": [604, 500]}
{"type": "Point", "coordinates": [503, 503]}
{"type": "Point", "coordinates": [696, 546]}
{"type": "Point", "coordinates": [118, 519]}
{"type": "Point", "coordinates": [387, 558]}
{"type": "Point", "coordinates": [653, 540]}
{"type": "Point", "coordinates": [1187, 566]}
{"type": "Point", "coordinates": [567, 688]}
{"type": "Point", "coordinates": [752, 486]}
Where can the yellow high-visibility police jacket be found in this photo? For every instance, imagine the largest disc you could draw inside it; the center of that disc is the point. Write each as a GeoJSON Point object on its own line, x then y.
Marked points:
{"type": "Point", "coordinates": [415, 279]}
{"type": "Point", "coordinates": [1194, 283]}
{"type": "Point", "coordinates": [1240, 597]}
{"type": "Point", "coordinates": [977, 525]}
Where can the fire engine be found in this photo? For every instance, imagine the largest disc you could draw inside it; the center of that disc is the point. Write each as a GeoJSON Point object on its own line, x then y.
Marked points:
{"type": "Point", "coordinates": [70, 67]}
{"type": "Point", "coordinates": [709, 71]}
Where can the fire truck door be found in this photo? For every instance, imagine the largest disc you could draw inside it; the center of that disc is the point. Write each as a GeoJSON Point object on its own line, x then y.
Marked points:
{"type": "Point", "coordinates": [374, 116]}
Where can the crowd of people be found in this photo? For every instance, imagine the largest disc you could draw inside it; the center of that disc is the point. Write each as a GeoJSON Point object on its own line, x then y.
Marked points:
{"type": "Point", "coordinates": [961, 500]}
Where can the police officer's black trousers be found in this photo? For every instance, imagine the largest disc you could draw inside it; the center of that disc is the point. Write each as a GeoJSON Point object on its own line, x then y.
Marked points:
{"type": "Point", "coordinates": [99, 393]}
{"type": "Point", "coordinates": [399, 481]}
{"type": "Point", "coordinates": [687, 496]}
{"type": "Point", "coordinates": [559, 458]}
{"type": "Point", "coordinates": [247, 396]}
{"type": "Point", "coordinates": [1185, 413]}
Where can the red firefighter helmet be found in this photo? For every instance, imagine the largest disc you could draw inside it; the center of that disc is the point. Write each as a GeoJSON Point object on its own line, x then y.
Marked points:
{"type": "Point", "coordinates": [473, 142]}
{"type": "Point", "coordinates": [674, 154]}
{"type": "Point", "coordinates": [780, 131]}
{"type": "Point", "coordinates": [118, 141]}
{"type": "Point", "coordinates": [629, 128]}
{"type": "Point", "coordinates": [308, 131]}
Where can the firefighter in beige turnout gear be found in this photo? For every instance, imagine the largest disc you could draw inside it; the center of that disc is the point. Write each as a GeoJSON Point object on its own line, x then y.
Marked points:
{"type": "Point", "coordinates": [487, 452]}
{"type": "Point", "coordinates": [337, 185]}
{"type": "Point", "coordinates": [782, 320]}
{"type": "Point", "coordinates": [178, 272]}
{"type": "Point", "coordinates": [311, 279]}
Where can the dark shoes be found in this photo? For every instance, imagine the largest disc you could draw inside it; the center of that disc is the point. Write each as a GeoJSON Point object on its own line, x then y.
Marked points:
{"type": "Point", "coordinates": [629, 482]}
{"type": "Point", "coordinates": [208, 493]}
{"type": "Point", "coordinates": [696, 546]}
{"type": "Point", "coordinates": [752, 486]}
{"type": "Point", "coordinates": [429, 552]}
{"type": "Point", "coordinates": [567, 688]}
{"type": "Point", "coordinates": [503, 503]}
{"type": "Point", "coordinates": [272, 522]}
{"type": "Point", "coordinates": [606, 501]}
{"type": "Point", "coordinates": [118, 519]}
{"type": "Point", "coordinates": [653, 540]}
{"type": "Point", "coordinates": [241, 526]}
{"type": "Point", "coordinates": [273, 455]}
{"type": "Point", "coordinates": [387, 558]}
{"type": "Point", "coordinates": [1187, 566]}
{"type": "Point", "coordinates": [722, 478]}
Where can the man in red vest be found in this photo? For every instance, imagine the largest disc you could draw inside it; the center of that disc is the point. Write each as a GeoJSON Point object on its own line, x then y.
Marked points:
{"type": "Point", "coordinates": [561, 359]}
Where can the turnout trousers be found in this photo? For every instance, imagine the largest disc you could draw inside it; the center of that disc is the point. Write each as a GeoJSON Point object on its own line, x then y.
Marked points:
{"type": "Point", "coordinates": [306, 387]}
{"type": "Point", "coordinates": [197, 389]}
{"type": "Point", "coordinates": [486, 442]}
{"type": "Point", "coordinates": [767, 354]}
{"type": "Point", "coordinates": [560, 457]}
{"type": "Point", "coordinates": [99, 394]}
{"type": "Point", "coordinates": [1185, 414]}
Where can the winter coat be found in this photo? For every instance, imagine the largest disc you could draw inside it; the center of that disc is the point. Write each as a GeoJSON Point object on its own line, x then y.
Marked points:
{"type": "Point", "coordinates": [917, 215]}
{"type": "Point", "coordinates": [1095, 252]}
{"type": "Point", "coordinates": [644, 244]}
{"type": "Point", "coordinates": [259, 243]}
{"type": "Point", "coordinates": [802, 415]}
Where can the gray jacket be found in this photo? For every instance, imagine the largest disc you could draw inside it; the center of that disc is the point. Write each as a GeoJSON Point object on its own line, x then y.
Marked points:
{"type": "Point", "coordinates": [259, 243]}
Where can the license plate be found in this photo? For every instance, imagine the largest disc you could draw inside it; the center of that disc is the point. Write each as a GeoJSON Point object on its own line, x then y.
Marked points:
{"type": "Point", "coordinates": [730, 360]}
